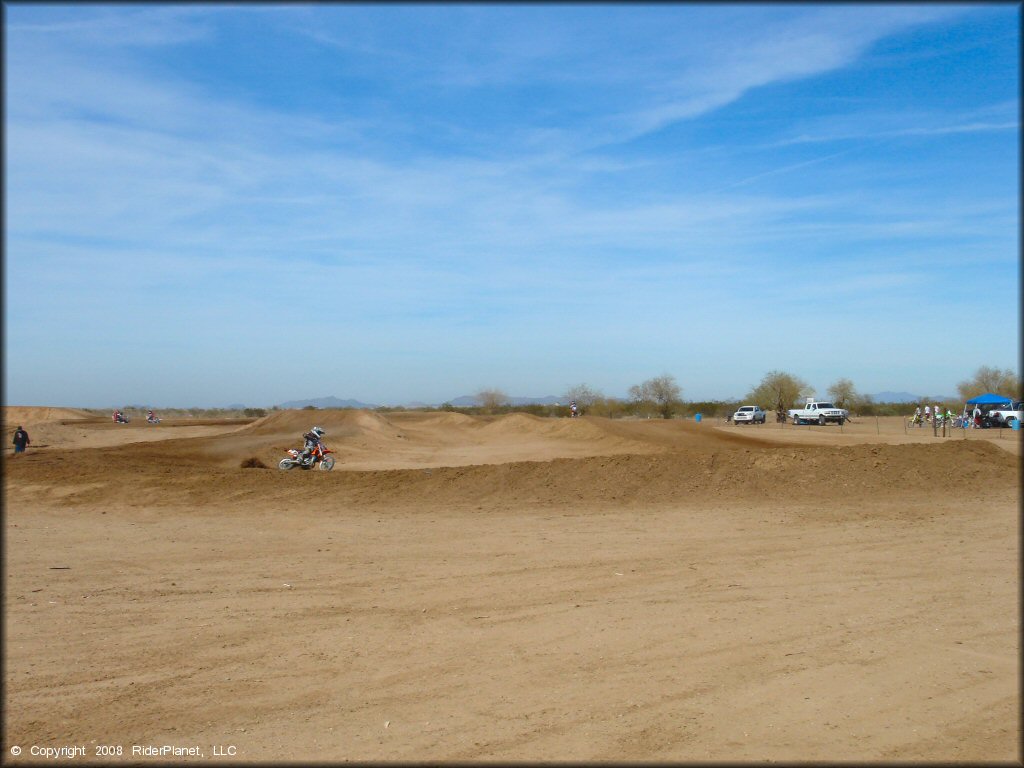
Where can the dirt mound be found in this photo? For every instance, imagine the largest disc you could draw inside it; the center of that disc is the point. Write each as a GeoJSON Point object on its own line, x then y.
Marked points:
{"type": "Point", "coordinates": [366, 440]}
{"type": "Point", "coordinates": [517, 424]}
{"type": "Point", "coordinates": [147, 475]}
{"type": "Point", "coordinates": [695, 477]}
{"type": "Point", "coordinates": [434, 419]}
{"type": "Point", "coordinates": [336, 422]}
{"type": "Point", "coordinates": [27, 415]}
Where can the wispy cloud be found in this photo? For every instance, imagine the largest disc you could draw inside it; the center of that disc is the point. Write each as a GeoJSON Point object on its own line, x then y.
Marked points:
{"type": "Point", "coordinates": [124, 27]}
{"type": "Point", "coordinates": [924, 131]}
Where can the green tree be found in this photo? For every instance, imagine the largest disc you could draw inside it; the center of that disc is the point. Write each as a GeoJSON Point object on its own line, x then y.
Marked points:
{"type": "Point", "coordinates": [778, 391]}
{"type": "Point", "coordinates": [994, 380]}
{"type": "Point", "coordinates": [662, 392]}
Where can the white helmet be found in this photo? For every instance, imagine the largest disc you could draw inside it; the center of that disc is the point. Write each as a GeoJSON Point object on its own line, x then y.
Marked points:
{"type": "Point", "coordinates": [318, 431]}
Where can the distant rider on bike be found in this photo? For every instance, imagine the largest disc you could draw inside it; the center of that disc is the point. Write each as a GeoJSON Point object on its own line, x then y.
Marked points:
{"type": "Point", "coordinates": [313, 439]}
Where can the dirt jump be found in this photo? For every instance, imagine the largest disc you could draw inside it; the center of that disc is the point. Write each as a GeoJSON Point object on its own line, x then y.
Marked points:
{"type": "Point", "coordinates": [511, 588]}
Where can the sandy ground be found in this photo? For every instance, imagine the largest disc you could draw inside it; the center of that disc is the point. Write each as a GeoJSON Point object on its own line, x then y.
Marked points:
{"type": "Point", "coordinates": [513, 588]}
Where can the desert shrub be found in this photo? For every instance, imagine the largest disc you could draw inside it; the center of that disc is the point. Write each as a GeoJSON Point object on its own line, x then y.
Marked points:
{"type": "Point", "coordinates": [778, 391]}
{"type": "Point", "coordinates": [843, 394]}
{"type": "Point", "coordinates": [660, 394]}
{"type": "Point", "coordinates": [492, 399]}
{"type": "Point", "coordinates": [584, 395]}
{"type": "Point", "coordinates": [998, 381]}
{"type": "Point", "coordinates": [710, 408]}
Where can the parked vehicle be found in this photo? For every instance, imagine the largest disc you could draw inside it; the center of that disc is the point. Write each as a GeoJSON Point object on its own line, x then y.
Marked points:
{"type": "Point", "coordinates": [1006, 416]}
{"type": "Point", "coordinates": [749, 414]}
{"type": "Point", "coordinates": [818, 412]}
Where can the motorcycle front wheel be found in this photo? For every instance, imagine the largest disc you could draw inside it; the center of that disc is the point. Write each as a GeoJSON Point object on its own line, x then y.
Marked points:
{"type": "Point", "coordinates": [286, 464]}
{"type": "Point", "coordinates": [327, 463]}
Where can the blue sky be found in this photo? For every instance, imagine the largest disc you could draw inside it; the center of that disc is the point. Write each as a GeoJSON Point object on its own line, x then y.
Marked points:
{"type": "Point", "coordinates": [255, 203]}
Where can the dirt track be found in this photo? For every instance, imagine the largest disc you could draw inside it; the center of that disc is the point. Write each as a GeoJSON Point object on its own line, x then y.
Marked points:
{"type": "Point", "coordinates": [514, 588]}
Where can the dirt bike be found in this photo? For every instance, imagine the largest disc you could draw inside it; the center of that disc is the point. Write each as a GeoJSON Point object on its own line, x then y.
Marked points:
{"type": "Point", "coordinates": [152, 419]}
{"type": "Point", "coordinates": [120, 418]}
{"type": "Point", "coordinates": [317, 458]}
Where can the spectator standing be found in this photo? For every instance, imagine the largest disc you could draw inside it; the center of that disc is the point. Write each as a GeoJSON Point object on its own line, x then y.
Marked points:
{"type": "Point", "coordinates": [917, 415]}
{"type": "Point", "coordinates": [21, 440]}
{"type": "Point", "coordinates": [977, 416]}
{"type": "Point", "coordinates": [927, 413]}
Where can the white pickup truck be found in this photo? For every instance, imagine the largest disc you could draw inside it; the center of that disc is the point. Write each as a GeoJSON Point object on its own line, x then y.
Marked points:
{"type": "Point", "coordinates": [749, 414]}
{"type": "Point", "coordinates": [1006, 415]}
{"type": "Point", "coordinates": [819, 412]}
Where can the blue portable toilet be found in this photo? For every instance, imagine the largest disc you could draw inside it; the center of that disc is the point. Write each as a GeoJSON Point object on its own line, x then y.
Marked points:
{"type": "Point", "coordinates": [696, 418]}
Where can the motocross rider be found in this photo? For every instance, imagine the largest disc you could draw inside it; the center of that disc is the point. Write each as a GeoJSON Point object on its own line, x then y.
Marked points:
{"type": "Point", "coordinates": [313, 439]}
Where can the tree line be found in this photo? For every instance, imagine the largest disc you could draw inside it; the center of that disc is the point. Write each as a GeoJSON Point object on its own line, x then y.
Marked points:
{"type": "Point", "coordinates": [661, 396]}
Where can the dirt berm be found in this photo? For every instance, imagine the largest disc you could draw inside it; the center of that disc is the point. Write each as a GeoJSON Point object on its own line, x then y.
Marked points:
{"type": "Point", "coordinates": [207, 471]}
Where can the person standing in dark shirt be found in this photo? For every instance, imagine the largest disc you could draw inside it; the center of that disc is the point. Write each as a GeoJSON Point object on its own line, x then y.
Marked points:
{"type": "Point", "coordinates": [21, 440]}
